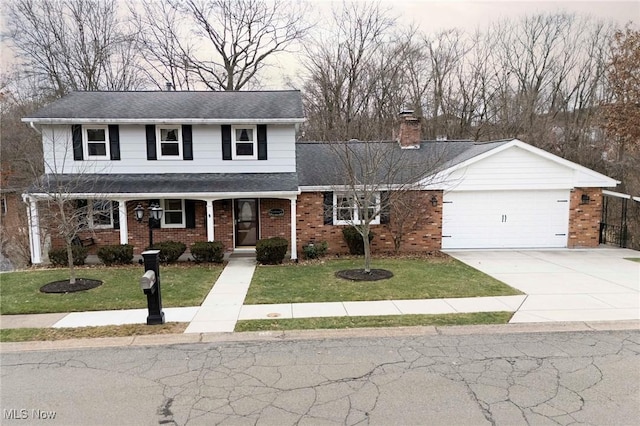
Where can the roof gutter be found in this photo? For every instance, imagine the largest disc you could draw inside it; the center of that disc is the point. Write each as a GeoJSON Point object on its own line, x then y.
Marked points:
{"type": "Point", "coordinates": [33, 126]}
{"type": "Point", "coordinates": [164, 120]}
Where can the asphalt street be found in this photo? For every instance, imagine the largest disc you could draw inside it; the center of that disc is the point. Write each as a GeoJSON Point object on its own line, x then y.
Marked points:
{"type": "Point", "coordinates": [587, 377]}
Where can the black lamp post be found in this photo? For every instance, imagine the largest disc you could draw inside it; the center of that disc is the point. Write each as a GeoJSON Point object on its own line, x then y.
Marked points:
{"type": "Point", "coordinates": [155, 214]}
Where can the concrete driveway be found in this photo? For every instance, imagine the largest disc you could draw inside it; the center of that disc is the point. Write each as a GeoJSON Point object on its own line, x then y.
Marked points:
{"type": "Point", "coordinates": [565, 285]}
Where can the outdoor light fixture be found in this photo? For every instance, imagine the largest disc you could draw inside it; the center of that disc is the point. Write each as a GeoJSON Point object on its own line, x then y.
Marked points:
{"type": "Point", "coordinates": [585, 199]}
{"type": "Point", "coordinates": [434, 201]}
{"type": "Point", "coordinates": [155, 214]}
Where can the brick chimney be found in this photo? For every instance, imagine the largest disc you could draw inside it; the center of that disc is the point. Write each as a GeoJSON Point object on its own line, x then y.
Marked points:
{"type": "Point", "coordinates": [410, 130]}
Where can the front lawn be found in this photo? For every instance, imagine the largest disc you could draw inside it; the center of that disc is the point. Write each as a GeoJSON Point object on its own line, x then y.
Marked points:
{"type": "Point", "coordinates": [181, 286]}
{"type": "Point", "coordinates": [413, 279]}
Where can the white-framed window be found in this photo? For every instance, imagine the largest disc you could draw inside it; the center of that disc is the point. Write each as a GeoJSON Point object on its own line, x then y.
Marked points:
{"type": "Point", "coordinates": [347, 209]}
{"type": "Point", "coordinates": [244, 143]}
{"type": "Point", "coordinates": [101, 214]}
{"type": "Point", "coordinates": [96, 142]}
{"type": "Point", "coordinates": [174, 214]}
{"type": "Point", "coordinates": [169, 139]}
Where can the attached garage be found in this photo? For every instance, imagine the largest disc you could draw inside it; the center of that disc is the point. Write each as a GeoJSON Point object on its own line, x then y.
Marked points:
{"type": "Point", "coordinates": [513, 195]}
{"type": "Point", "coordinates": [505, 219]}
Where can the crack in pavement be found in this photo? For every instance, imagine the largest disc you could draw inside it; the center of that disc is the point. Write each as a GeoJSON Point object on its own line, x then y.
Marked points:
{"type": "Point", "coordinates": [557, 378]}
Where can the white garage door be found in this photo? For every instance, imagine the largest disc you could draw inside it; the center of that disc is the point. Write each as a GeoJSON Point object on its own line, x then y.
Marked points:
{"type": "Point", "coordinates": [505, 219]}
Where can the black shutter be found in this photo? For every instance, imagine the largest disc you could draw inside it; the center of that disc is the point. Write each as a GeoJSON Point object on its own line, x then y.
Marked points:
{"type": "Point", "coordinates": [116, 212]}
{"type": "Point", "coordinates": [76, 134]}
{"type": "Point", "coordinates": [328, 208]}
{"type": "Point", "coordinates": [82, 205]}
{"type": "Point", "coordinates": [262, 141]}
{"type": "Point", "coordinates": [151, 142]}
{"type": "Point", "coordinates": [114, 142]}
{"type": "Point", "coordinates": [190, 213]}
{"type": "Point", "coordinates": [187, 143]}
{"type": "Point", "coordinates": [226, 141]}
{"type": "Point", "coordinates": [385, 208]}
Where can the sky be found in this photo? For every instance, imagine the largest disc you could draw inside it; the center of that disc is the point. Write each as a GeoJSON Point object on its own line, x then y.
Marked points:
{"type": "Point", "coordinates": [434, 15]}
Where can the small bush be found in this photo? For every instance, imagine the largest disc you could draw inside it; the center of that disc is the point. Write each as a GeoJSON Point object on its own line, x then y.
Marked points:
{"type": "Point", "coordinates": [271, 251]}
{"type": "Point", "coordinates": [120, 254]}
{"type": "Point", "coordinates": [58, 257]}
{"type": "Point", "coordinates": [212, 251]}
{"type": "Point", "coordinates": [170, 251]}
{"type": "Point", "coordinates": [354, 240]}
{"type": "Point", "coordinates": [315, 250]}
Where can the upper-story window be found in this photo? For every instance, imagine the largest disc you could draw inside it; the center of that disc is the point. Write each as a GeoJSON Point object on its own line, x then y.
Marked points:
{"type": "Point", "coordinates": [96, 142]}
{"type": "Point", "coordinates": [244, 143]}
{"type": "Point", "coordinates": [169, 142]}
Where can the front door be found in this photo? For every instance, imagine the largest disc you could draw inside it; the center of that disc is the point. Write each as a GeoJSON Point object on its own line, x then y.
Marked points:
{"type": "Point", "coordinates": [246, 217]}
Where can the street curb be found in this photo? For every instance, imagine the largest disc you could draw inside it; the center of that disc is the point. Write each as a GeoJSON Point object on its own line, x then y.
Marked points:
{"type": "Point", "coordinates": [270, 336]}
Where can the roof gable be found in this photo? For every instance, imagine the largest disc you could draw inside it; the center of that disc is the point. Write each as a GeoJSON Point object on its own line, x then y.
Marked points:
{"type": "Point", "coordinates": [168, 106]}
{"type": "Point", "coordinates": [519, 165]}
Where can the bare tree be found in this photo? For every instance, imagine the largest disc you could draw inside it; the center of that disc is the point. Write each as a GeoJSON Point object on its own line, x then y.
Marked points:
{"type": "Point", "coordinates": [62, 214]}
{"type": "Point", "coordinates": [374, 179]}
{"type": "Point", "coordinates": [228, 43]}
{"type": "Point", "coordinates": [73, 45]}
{"type": "Point", "coordinates": [353, 85]}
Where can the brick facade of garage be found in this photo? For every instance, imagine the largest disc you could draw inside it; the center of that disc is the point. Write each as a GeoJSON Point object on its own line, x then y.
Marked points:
{"type": "Point", "coordinates": [585, 214]}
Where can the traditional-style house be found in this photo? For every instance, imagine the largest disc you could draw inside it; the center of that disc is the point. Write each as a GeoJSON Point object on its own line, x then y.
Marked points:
{"type": "Point", "coordinates": [226, 166]}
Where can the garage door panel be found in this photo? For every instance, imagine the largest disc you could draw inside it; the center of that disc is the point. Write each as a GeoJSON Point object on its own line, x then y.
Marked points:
{"type": "Point", "coordinates": [505, 219]}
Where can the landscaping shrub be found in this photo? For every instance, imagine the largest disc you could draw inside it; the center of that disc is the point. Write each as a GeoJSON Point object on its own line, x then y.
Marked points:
{"type": "Point", "coordinates": [117, 254]}
{"type": "Point", "coordinates": [58, 257]}
{"type": "Point", "coordinates": [271, 251]}
{"type": "Point", "coordinates": [212, 251]}
{"type": "Point", "coordinates": [315, 250]}
{"type": "Point", "coordinates": [170, 251]}
{"type": "Point", "coordinates": [354, 240]}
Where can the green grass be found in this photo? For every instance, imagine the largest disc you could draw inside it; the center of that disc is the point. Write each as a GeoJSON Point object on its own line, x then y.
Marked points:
{"type": "Point", "coordinates": [413, 279]}
{"type": "Point", "coordinates": [41, 334]}
{"type": "Point", "coordinates": [633, 259]}
{"type": "Point", "coordinates": [181, 286]}
{"type": "Point", "coordinates": [374, 321]}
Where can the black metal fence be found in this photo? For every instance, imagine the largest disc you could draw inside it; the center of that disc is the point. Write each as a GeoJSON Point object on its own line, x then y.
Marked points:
{"type": "Point", "coordinates": [613, 234]}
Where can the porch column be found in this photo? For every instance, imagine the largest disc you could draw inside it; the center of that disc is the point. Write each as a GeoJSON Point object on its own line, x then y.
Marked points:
{"type": "Point", "coordinates": [122, 215]}
{"type": "Point", "coordinates": [294, 241]}
{"type": "Point", "coordinates": [34, 232]}
{"type": "Point", "coordinates": [210, 235]}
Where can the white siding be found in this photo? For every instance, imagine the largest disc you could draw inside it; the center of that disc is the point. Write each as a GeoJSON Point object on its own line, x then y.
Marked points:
{"type": "Point", "coordinates": [513, 168]}
{"type": "Point", "coordinates": [207, 153]}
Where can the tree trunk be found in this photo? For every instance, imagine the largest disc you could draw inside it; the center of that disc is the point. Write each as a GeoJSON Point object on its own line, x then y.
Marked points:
{"type": "Point", "coordinates": [72, 271]}
{"type": "Point", "coordinates": [367, 250]}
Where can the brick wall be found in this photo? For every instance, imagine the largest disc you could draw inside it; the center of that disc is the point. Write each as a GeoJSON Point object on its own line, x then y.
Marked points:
{"type": "Point", "coordinates": [425, 236]}
{"type": "Point", "coordinates": [584, 218]}
{"type": "Point", "coordinates": [275, 226]}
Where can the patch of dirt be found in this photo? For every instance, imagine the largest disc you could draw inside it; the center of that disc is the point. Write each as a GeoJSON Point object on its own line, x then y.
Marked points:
{"type": "Point", "coordinates": [64, 286]}
{"type": "Point", "coordinates": [361, 275]}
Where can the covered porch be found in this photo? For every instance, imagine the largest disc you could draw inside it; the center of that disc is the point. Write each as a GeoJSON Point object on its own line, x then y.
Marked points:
{"type": "Point", "coordinates": [235, 209]}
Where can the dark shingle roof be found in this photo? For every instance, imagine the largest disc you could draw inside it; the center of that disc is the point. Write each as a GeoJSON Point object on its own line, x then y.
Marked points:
{"type": "Point", "coordinates": [318, 163]}
{"type": "Point", "coordinates": [169, 183]}
{"type": "Point", "coordinates": [265, 105]}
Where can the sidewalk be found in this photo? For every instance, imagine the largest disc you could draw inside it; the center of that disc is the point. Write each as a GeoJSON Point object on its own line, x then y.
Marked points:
{"type": "Point", "coordinates": [223, 307]}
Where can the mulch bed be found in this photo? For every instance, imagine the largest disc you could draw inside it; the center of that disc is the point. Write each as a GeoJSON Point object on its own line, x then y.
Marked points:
{"type": "Point", "coordinates": [361, 275]}
{"type": "Point", "coordinates": [64, 286]}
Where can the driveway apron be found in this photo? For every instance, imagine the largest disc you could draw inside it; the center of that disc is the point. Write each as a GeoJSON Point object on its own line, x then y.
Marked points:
{"type": "Point", "coordinates": [565, 285]}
